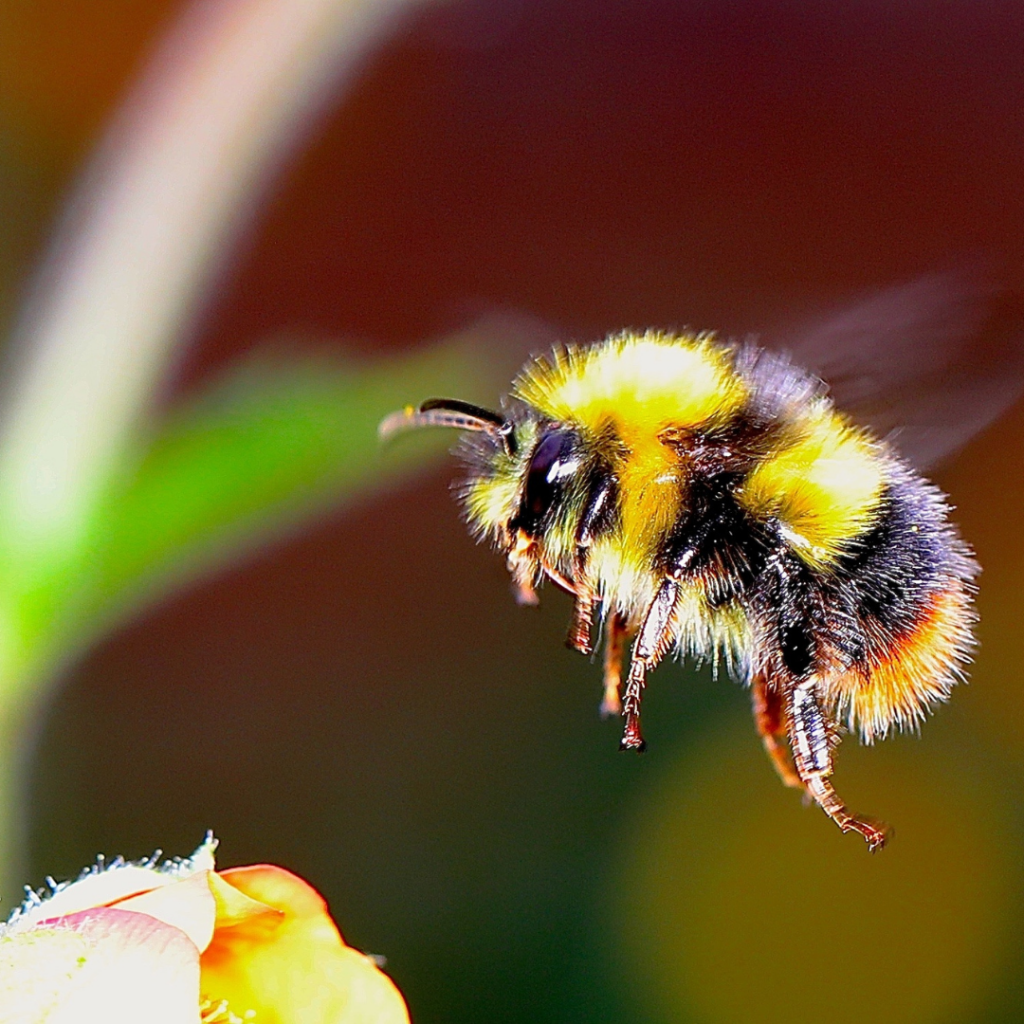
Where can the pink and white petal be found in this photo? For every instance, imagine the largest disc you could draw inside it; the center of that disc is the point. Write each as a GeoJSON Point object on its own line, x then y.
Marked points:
{"type": "Point", "coordinates": [38, 968]}
{"type": "Point", "coordinates": [187, 903]}
{"type": "Point", "coordinates": [104, 965]}
{"type": "Point", "coordinates": [109, 886]}
{"type": "Point", "coordinates": [96, 890]}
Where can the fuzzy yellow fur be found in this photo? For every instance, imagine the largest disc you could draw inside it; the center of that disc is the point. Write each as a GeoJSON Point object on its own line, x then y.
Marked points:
{"type": "Point", "coordinates": [622, 578]}
{"type": "Point", "coordinates": [720, 634]}
{"type": "Point", "coordinates": [641, 382]}
{"type": "Point", "coordinates": [491, 499]}
{"type": "Point", "coordinates": [823, 486]}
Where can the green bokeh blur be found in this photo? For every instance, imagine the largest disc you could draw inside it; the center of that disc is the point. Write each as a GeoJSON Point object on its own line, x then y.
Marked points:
{"type": "Point", "coordinates": [364, 703]}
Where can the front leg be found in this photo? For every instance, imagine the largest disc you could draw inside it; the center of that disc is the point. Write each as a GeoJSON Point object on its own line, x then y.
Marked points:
{"type": "Point", "coordinates": [594, 516]}
{"type": "Point", "coordinates": [810, 737]}
{"type": "Point", "coordinates": [522, 563]}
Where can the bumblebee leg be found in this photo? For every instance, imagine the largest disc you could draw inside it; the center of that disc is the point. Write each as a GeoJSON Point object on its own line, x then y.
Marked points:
{"type": "Point", "coordinates": [613, 651]}
{"type": "Point", "coordinates": [522, 566]}
{"type": "Point", "coordinates": [810, 738]}
{"type": "Point", "coordinates": [771, 727]}
{"type": "Point", "coordinates": [651, 643]}
{"type": "Point", "coordinates": [582, 622]}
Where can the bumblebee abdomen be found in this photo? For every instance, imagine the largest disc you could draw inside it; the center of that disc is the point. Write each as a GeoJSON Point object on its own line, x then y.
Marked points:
{"type": "Point", "coordinates": [900, 679]}
{"type": "Point", "coordinates": [910, 583]}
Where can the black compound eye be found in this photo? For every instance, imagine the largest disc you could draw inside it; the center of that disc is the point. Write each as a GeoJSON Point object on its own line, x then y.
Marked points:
{"type": "Point", "coordinates": [554, 460]}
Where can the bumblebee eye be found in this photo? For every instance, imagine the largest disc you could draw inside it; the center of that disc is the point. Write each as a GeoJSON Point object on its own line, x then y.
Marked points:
{"type": "Point", "coordinates": [553, 461]}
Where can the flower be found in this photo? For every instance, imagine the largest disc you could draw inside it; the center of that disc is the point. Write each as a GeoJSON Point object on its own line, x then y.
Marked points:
{"type": "Point", "coordinates": [181, 943]}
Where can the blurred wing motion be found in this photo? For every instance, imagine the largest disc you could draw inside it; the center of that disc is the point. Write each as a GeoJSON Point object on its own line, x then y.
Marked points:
{"type": "Point", "coordinates": [927, 364]}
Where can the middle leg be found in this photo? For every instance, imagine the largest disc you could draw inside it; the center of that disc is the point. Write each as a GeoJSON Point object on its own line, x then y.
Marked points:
{"type": "Point", "coordinates": [652, 642]}
{"type": "Point", "coordinates": [614, 648]}
{"type": "Point", "coordinates": [770, 719]}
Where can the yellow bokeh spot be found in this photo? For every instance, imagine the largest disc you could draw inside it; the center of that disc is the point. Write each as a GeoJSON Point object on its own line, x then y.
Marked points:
{"type": "Point", "coordinates": [739, 905]}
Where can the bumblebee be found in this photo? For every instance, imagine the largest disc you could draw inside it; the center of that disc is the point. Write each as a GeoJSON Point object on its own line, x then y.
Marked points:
{"type": "Point", "coordinates": [708, 498]}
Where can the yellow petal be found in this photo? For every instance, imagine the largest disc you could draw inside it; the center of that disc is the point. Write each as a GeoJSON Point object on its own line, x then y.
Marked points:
{"type": "Point", "coordinates": [294, 968]}
{"type": "Point", "coordinates": [234, 907]}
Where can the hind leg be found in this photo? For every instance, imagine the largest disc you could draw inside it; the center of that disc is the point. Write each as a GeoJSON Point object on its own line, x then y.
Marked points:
{"type": "Point", "coordinates": [810, 738]}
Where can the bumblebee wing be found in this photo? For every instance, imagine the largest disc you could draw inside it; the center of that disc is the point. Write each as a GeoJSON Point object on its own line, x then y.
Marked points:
{"type": "Point", "coordinates": [926, 364]}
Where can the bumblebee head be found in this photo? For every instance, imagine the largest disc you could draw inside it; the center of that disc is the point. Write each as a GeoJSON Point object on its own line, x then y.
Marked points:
{"type": "Point", "coordinates": [525, 484]}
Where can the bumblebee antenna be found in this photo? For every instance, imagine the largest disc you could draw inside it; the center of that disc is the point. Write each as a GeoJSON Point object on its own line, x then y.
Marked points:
{"type": "Point", "coordinates": [449, 412]}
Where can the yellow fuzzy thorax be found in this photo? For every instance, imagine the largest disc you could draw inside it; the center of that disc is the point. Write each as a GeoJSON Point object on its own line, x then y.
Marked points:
{"type": "Point", "coordinates": [651, 482]}
{"type": "Point", "coordinates": [641, 383]}
{"type": "Point", "coordinates": [624, 581]}
{"type": "Point", "coordinates": [823, 487]}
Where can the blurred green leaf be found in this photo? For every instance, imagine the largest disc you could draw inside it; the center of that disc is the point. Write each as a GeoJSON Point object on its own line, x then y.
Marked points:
{"type": "Point", "coordinates": [277, 440]}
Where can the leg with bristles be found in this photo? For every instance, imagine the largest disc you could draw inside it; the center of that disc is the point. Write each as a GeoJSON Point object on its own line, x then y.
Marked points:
{"type": "Point", "coordinates": [810, 737]}
{"type": "Point", "coordinates": [582, 622]}
{"type": "Point", "coordinates": [653, 640]}
{"type": "Point", "coordinates": [770, 719]}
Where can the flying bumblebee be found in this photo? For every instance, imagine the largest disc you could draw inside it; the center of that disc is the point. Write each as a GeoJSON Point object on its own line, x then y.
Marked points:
{"type": "Point", "coordinates": [711, 499]}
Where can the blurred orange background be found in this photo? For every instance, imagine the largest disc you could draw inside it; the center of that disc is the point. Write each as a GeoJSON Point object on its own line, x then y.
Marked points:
{"type": "Point", "coordinates": [365, 704]}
